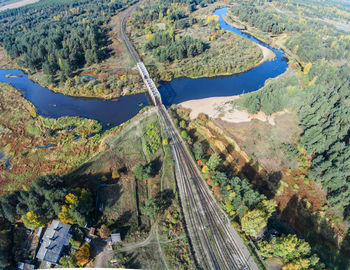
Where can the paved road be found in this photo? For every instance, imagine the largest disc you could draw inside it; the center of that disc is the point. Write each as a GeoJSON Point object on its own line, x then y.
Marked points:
{"type": "Point", "coordinates": [216, 244]}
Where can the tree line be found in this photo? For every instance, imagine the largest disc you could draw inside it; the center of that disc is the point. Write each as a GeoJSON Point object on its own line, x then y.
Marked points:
{"type": "Point", "coordinates": [167, 48]}
{"type": "Point", "coordinates": [58, 37]}
{"type": "Point", "coordinates": [251, 210]}
{"type": "Point", "coordinates": [47, 198]}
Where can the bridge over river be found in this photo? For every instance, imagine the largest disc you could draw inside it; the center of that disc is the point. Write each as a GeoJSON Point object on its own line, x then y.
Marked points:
{"type": "Point", "coordinates": [215, 242]}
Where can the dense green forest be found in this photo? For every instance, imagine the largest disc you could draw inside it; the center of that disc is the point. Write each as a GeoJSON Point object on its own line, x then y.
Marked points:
{"type": "Point", "coordinates": [319, 94]}
{"type": "Point", "coordinates": [58, 37]}
{"type": "Point", "coordinates": [165, 48]}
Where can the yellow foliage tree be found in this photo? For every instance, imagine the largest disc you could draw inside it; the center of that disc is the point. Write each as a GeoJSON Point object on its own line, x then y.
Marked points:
{"type": "Point", "coordinates": [214, 18]}
{"type": "Point", "coordinates": [254, 221]}
{"type": "Point", "coordinates": [72, 199]}
{"type": "Point", "coordinates": [149, 36]}
{"type": "Point", "coordinates": [307, 68]}
{"type": "Point", "coordinates": [205, 170]}
{"type": "Point", "coordinates": [65, 215]}
{"type": "Point", "coordinates": [115, 174]}
{"type": "Point", "coordinates": [300, 264]}
{"type": "Point", "coordinates": [32, 221]}
{"type": "Point", "coordinates": [82, 256]}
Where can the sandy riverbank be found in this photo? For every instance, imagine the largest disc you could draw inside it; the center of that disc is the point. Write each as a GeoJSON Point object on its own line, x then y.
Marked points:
{"type": "Point", "coordinates": [222, 107]}
{"type": "Point", "coordinates": [18, 4]}
{"type": "Point", "coordinates": [268, 54]}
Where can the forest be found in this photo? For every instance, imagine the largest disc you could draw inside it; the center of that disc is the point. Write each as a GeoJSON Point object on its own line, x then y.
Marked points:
{"type": "Point", "coordinates": [319, 95]}
{"type": "Point", "coordinates": [165, 48]}
{"type": "Point", "coordinates": [48, 196]}
{"type": "Point", "coordinates": [183, 39]}
{"type": "Point", "coordinates": [252, 213]}
{"type": "Point", "coordinates": [58, 37]}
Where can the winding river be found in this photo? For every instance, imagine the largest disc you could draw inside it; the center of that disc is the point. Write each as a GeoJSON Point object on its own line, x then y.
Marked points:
{"type": "Point", "coordinates": [114, 112]}
{"type": "Point", "coordinates": [183, 89]}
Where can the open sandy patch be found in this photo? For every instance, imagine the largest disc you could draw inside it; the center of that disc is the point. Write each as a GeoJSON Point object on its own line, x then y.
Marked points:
{"type": "Point", "coordinates": [268, 54]}
{"type": "Point", "coordinates": [18, 4]}
{"type": "Point", "coordinates": [223, 108]}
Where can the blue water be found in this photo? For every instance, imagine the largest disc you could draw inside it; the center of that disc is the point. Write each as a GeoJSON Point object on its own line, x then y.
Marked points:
{"type": "Point", "coordinates": [183, 89]}
{"type": "Point", "coordinates": [46, 146]}
{"type": "Point", "coordinates": [109, 113]}
{"type": "Point", "coordinates": [114, 112]}
{"type": "Point", "coordinates": [3, 157]}
{"type": "Point", "coordinates": [88, 77]}
{"type": "Point", "coordinates": [347, 29]}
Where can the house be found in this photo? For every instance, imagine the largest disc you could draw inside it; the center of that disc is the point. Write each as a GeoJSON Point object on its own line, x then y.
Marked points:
{"type": "Point", "coordinates": [25, 266]}
{"type": "Point", "coordinates": [115, 238]}
{"type": "Point", "coordinates": [92, 231]}
{"type": "Point", "coordinates": [55, 239]}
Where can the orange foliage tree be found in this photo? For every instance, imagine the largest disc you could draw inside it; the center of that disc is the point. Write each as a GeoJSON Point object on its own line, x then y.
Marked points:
{"type": "Point", "coordinates": [82, 256]}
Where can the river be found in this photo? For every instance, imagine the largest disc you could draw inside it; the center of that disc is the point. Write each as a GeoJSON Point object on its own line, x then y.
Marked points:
{"type": "Point", "coordinates": [50, 104]}
{"type": "Point", "coordinates": [183, 89]}
{"type": "Point", "coordinates": [114, 112]}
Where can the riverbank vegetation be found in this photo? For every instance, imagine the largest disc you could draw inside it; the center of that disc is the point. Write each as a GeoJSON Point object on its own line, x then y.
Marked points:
{"type": "Point", "coordinates": [315, 91]}
{"type": "Point", "coordinates": [185, 40]}
{"type": "Point", "coordinates": [237, 183]}
{"type": "Point", "coordinates": [35, 145]}
{"type": "Point", "coordinates": [73, 38]}
{"type": "Point", "coordinates": [107, 193]}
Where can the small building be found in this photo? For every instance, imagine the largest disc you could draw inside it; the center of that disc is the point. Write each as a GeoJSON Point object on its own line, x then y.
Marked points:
{"type": "Point", "coordinates": [55, 239]}
{"type": "Point", "coordinates": [92, 231]}
{"type": "Point", "coordinates": [25, 266]}
{"type": "Point", "coordinates": [115, 238]}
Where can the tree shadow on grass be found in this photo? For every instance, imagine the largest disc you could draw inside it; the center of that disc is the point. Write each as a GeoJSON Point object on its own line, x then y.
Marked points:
{"type": "Point", "coordinates": [268, 186]}
{"type": "Point", "coordinates": [124, 224]}
{"type": "Point", "coordinates": [164, 199]}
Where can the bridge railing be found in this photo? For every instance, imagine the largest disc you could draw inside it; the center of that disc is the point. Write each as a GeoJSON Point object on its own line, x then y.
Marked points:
{"type": "Point", "coordinates": [151, 87]}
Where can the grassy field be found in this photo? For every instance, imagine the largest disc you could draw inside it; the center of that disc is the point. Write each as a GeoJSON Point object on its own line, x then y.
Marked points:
{"type": "Point", "coordinates": [123, 197]}
{"type": "Point", "coordinates": [22, 130]}
{"type": "Point", "coordinates": [228, 53]}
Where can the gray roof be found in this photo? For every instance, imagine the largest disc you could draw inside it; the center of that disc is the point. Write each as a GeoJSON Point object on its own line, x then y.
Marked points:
{"type": "Point", "coordinates": [25, 266]}
{"type": "Point", "coordinates": [55, 238]}
{"type": "Point", "coordinates": [115, 237]}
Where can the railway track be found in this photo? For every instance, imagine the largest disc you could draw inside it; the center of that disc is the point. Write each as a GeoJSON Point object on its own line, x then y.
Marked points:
{"type": "Point", "coordinates": [212, 235]}
{"type": "Point", "coordinates": [216, 244]}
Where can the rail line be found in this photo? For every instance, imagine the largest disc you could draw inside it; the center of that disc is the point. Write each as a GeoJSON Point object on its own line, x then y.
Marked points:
{"type": "Point", "coordinates": [216, 244]}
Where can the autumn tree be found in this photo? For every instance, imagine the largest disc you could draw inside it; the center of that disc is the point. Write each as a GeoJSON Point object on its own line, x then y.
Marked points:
{"type": "Point", "coordinates": [65, 215]}
{"type": "Point", "coordinates": [255, 220]}
{"type": "Point", "coordinates": [104, 231]}
{"type": "Point", "coordinates": [32, 221]}
{"type": "Point", "coordinates": [294, 252]}
{"type": "Point", "coordinates": [82, 256]}
{"type": "Point", "coordinates": [78, 205]}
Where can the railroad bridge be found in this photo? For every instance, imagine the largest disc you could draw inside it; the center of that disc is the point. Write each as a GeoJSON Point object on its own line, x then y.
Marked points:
{"type": "Point", "coordinates": [216, 244]}
{"type": "Point", "coordinates": [151, 87]}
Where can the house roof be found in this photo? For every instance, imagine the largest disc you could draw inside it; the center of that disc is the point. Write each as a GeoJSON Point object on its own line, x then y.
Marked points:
{"type": "Point", "coordinates": [55, 238]}
{"type": "Point", "coordinates": [115, 237]}
{"type": "Point", "coordinates": [25, 266]}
